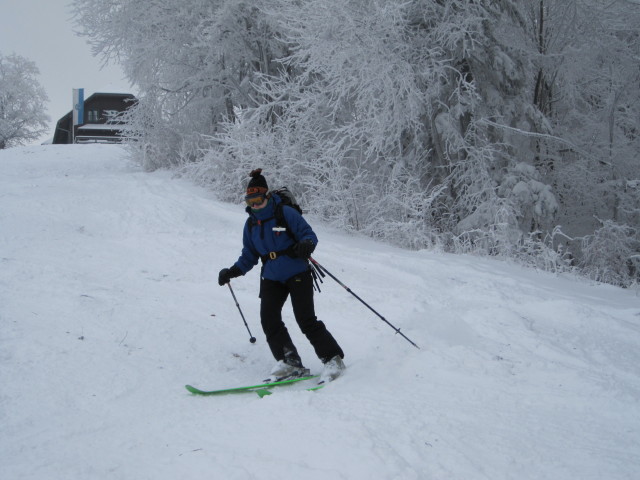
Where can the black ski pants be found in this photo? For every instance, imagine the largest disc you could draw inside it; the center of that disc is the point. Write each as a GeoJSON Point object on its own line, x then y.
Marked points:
{"type": "Point", "coordinates": [273, 295]}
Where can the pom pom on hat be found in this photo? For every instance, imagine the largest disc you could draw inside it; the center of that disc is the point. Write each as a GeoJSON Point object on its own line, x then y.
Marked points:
{"type": "Point", "coordinates": [257, 184]}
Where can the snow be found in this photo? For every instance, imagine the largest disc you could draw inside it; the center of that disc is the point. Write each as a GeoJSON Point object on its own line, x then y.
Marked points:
{"type": "Point", "coordinates": [109, 305]}
{"type": "Point", "coordinates": [100, 126]}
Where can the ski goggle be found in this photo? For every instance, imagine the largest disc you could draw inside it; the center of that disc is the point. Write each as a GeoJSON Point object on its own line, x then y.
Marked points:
{"type": "Point", "coordinates": [254, 200]}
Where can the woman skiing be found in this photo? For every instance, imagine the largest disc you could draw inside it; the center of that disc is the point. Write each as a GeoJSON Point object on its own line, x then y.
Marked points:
{"type": "Point", "coordinates": [284, 251]}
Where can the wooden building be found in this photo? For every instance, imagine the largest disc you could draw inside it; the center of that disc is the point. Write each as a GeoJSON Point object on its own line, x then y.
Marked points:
{"type": "Point", "coordinates": [97, 125]}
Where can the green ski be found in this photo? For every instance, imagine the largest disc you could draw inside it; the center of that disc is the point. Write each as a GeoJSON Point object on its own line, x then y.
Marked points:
{"type": "Point", "coordinates": [261, 390]}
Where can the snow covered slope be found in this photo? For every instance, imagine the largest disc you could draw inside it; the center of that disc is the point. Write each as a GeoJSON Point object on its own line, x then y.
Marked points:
{"type": "Point", "coordinates": [109, 305]}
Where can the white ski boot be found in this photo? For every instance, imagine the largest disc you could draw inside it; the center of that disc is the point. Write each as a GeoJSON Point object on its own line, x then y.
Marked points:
{"type": "Point", "coordinates": [284, 371]}
{"type": "Point", "coordinates": [333, 368]}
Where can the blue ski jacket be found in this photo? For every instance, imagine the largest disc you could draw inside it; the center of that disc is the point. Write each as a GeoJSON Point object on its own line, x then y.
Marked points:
{"type": "Point", "coordinates": [260, 237]}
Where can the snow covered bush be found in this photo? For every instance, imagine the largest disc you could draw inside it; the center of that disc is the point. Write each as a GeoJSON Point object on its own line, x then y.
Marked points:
{"type": "Point", "coordinates": [612, 254]}
{"type": "Point", "coordinates": [535, 202]}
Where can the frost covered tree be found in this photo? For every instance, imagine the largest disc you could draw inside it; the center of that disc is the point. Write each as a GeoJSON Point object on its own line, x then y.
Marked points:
{"type": "Point", "coordinates": [392, 108]}
{"type": "Point", "coordinates": [350, 107]}
{"type": "Point", "coordinates": [377, 104]}
{"type": "Point", "coordinates": [22, 102]}
{"type": "Point", "coordinates": [193, 62]}
{"type": "Point", "coordinates": [475, 126]}
{"type": "Point", "coordinates": [588, 87]}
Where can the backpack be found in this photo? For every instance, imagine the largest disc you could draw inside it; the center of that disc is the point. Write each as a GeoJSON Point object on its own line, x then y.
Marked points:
{"type": "Point", "coordinates": [287, 199]}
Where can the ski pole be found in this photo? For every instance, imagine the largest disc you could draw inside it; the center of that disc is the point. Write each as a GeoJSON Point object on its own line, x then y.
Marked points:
{"type": "Point", "coordinates": [252, 339]}
{"type": "Point", "coordinates": [321, 269]}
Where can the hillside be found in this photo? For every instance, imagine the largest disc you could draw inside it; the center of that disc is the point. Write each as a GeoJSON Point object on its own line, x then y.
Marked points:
{"type": "Point", "coordinates": [109, 305]}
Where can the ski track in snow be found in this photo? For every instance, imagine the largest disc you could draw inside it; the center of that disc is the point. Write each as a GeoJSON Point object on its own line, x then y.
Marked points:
{"type": "Point", "coordinates": [109, 305]}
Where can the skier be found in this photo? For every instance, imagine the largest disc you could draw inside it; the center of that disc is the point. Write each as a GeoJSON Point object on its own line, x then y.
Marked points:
{"type": "Point", "coordinates": [285, 271]}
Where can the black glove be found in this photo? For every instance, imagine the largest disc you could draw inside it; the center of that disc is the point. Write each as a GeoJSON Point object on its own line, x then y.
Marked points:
{"type": "Point", "coordinates": [304, 249]}
{"type": "Point", "coordinates": [227, 274]}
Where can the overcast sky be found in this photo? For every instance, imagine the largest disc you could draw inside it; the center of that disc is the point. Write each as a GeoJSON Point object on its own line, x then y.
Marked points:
{"type": "Point", "coordinates": [42, 31]}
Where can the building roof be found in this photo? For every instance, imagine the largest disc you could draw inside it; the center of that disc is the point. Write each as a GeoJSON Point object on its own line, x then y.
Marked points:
{"type": "Point", "coordinates": [124, 96]}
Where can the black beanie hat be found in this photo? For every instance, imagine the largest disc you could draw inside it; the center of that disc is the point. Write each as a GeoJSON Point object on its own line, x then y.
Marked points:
{"type": "Point", "coordinates": [257, 184]}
